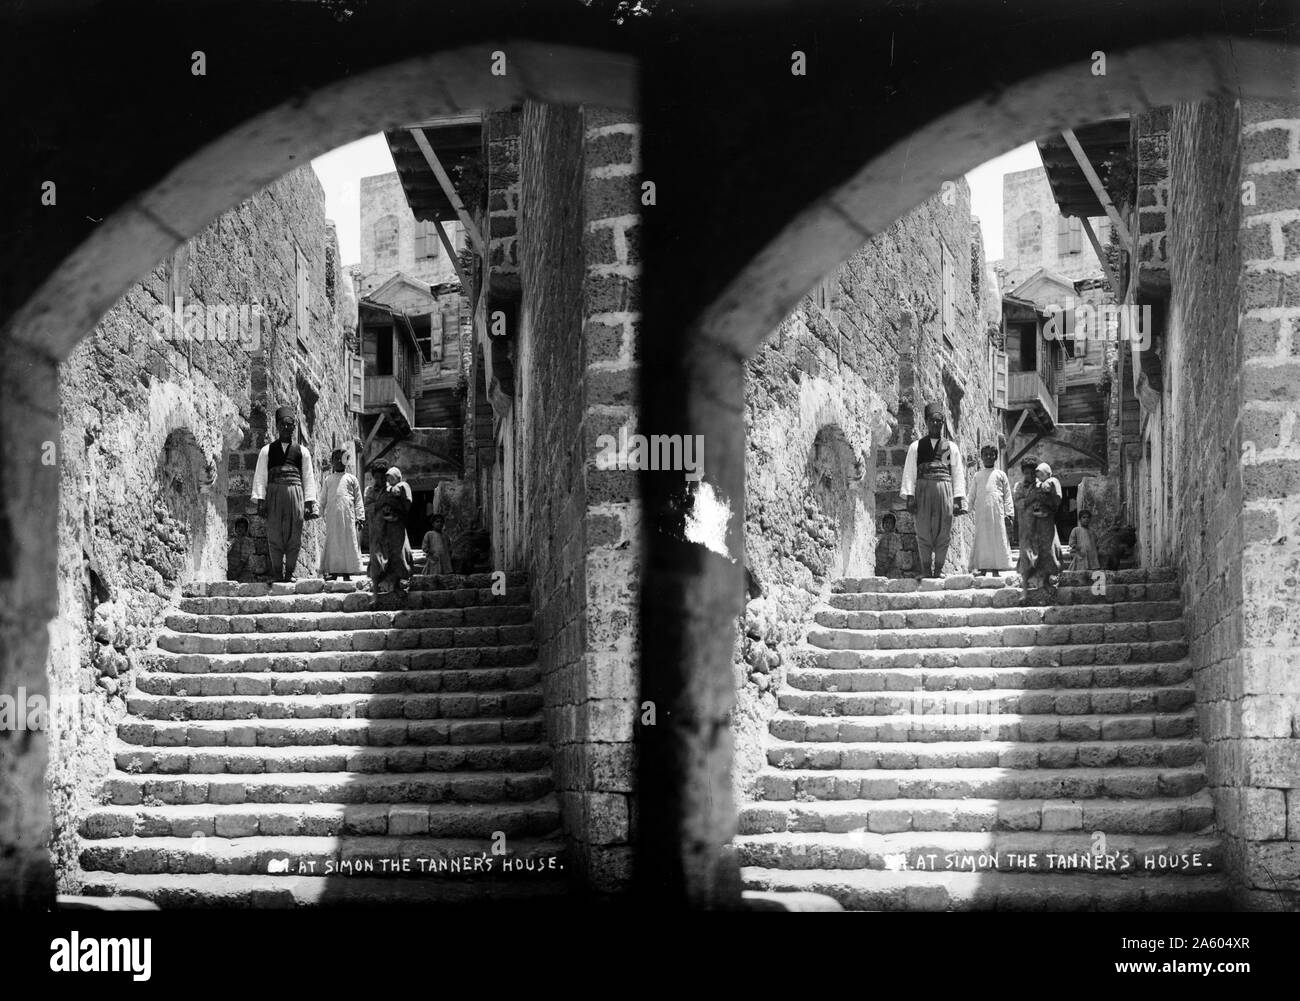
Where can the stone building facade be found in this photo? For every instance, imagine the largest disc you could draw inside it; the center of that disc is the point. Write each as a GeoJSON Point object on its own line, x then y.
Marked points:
{"type": "Point", "coordinates": [1036, 235]}
{"type": "Point", "coordinates": [392, 241]}
{"type": "Point", "coordinates": [160, 427]}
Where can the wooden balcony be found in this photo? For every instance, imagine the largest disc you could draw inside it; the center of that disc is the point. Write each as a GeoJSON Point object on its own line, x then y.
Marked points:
{"type": "Point", "coordinates": [1026, 390]}
{"type": "Point", "coordinates": [385, 393]}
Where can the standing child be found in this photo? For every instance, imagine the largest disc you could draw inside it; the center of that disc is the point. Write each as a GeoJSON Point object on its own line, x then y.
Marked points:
{"type": "Point", "coordinates": [991, 505]}
{"type": "Point", "coordinates": [437, 551]}
{"type": "Point", "coordinates": [1083, 546]}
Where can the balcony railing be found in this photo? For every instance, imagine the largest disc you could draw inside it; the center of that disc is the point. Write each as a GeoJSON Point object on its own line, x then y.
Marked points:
{"type": "Point", "coordinates": [1026, 389]}
{"type": "Point", "coordinates": [386, 391]}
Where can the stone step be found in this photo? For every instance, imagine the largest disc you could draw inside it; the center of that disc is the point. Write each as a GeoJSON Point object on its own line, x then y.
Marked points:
{"type": "Point", "coordinates": [904, 598]}
{"type": "Point", "coordinates": [458, 658]}
{"type": "Point", "coordinates": [962, 637]}
{"type": "Point", "coordinates": [870, 890]}
{"type": "Point", "coordinates": [781, 785]}
{"type": "Point", "coordinates": [1149, 753]}
{"type": "Point", "coordinates": [1039, 702]}
{"type": "Point", "coordinates": [1012, 726]}
{"type": "Point", "coordinates": [345, 640]}
{"type": "Point", "coordinates": [298, 622]}
{"type": "Point", "coordinates": [458, 705]}
{"type": "Point", "coordinates": [360, 856]}
{"type": "Point", "coordinates": [124, 789]}
{"type": "Point", "coordinates": [1072, 655]}
{"type": "Point", "coordinates": [890, 816]}
{"type": "Point", "coordinates": [325, 820]}
{"type": "Point", "coordinates": [309, 585]}
{"type": "Point", "coordinates": [337, 682]}
{"type": "Point", "coordinates": [316, 585]}
{"type": "Point", "coordinates": [454, 581]}
{"type": "Point", "coordinates": [210, 890]}
{"type": "Point", "coordinates": [254, 602]}
{"type": "Point", "coordinates": [916, 679]}
{"type": "Point", "coordinates": [1061, 854]}
{"type": "Point", "coordinates": [322, 732]}
{"type": "Point", "coordinates": [332, 758]}
{"type": "Point", "coordinates": [1032, 615]}
{"type": "Point", "coordinates": [1069, 578]}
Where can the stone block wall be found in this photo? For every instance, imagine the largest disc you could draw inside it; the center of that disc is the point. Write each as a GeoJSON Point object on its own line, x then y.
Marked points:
{"type": "Point", "coordinates": [153, 451]}
{"type": "Point", "coordinates": [1233, 407]}
{"type": "Point", "coordinates": [502, 142]}
{"type": "Point", "coordinates": [1269, 324]}
{"type": "Point", "coordinates": [1151, 142]}
{"type": "Point", "coordinates": [578, 321]}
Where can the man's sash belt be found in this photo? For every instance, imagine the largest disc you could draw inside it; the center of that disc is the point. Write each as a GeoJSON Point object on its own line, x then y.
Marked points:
{"type": "Point", "coordinates": [290, 475]}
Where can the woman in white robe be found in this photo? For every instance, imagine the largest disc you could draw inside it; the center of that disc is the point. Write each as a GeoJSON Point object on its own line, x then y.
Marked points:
{"type": "Point", "coordinates": [344, 514]}
{"type": "Point", "coordinates": [991, 505]}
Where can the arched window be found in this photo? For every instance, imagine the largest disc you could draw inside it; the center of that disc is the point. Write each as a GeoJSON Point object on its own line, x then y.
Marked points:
{"type": "Point", "coordinates": [1029, 235]}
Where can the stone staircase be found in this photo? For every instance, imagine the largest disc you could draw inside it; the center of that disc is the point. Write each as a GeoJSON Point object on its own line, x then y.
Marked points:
{"type": "Point", "coordinates": [943, 745]}
{"type": "Point", "coordinates": [311, 743]}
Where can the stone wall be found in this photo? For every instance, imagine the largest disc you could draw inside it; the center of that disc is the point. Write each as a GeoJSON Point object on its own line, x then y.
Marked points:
{"type": "Point", "coordinates": [1269, 324]}
{"type": "Point", "coordinates": [1232, 407]}
{"type": "Point", "coordinates": [833, 400]}
{"type": "Point", "coordinates": [579, 313]}
{"type": "Point", "coordinates": [157, 439]}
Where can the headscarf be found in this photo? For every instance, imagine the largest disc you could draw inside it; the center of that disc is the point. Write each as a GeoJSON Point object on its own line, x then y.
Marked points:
{"type": "Point", "coordinates": [1049, 482]}
{"type": "Point", "coordinates": [406, 489]}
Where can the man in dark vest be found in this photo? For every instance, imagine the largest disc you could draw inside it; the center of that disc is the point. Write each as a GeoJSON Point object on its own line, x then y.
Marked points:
{"type": "Point", "coordinates": [934, 485]}
{"type": "Point", "coordinates": [284, 487]}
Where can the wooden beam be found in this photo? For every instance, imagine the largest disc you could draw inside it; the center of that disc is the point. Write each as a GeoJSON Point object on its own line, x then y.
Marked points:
{"type": "Point", "coordinates": [1111, 278]}
{"type": "Point", "coordinates": [1082, 451]}
{"type": "Point", "coordinates": [1011, 441]}
{"type": "Point", "coordinates": [1098, 188]}
{"type": "Point", "coordinates": [448, 189]}
{"type": "Point", "coordinates": [1032, 442]}
{"type": "Point", "coordinates": [371, 437]}
{"type": "Point", "coordinates": [455, 258]}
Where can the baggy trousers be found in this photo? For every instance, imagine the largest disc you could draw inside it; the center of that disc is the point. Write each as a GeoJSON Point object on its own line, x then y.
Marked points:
{"type": "Point", "coordinates": [933, 523]}
{"type": "Point", "coordinates": [284, 510]}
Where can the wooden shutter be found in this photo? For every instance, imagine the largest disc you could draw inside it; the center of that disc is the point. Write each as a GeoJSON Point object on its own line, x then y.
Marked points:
{"type": "Point", "coordinates": [1000, 380]}
{"type": "Point", "coordinates": [435, 336]}
{"type": "Point", "coordinates": [421, 241]}
{"type": "Point", "coordinates": [356, 383]}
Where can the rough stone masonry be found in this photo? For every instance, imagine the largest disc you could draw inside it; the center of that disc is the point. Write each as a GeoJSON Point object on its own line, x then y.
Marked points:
{"type": "Point", "coordinates": [160, 430]}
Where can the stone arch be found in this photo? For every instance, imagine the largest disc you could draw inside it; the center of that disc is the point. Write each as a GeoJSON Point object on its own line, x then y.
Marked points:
{"type": "Point", "coordinates": [185, 480]}
{"type": "Point", "coordinates": [835, 478]}
{"type": "Point", "coordinates": [952, 140]}
{"type": "Point", "coordinates": [234, 165]}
